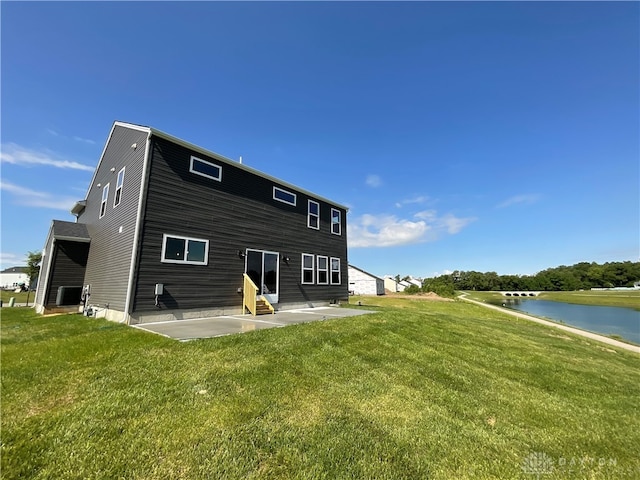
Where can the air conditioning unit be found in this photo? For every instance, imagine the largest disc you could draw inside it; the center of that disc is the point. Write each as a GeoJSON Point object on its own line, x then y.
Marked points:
{"type": "Point", "coordinates": [68, 296]}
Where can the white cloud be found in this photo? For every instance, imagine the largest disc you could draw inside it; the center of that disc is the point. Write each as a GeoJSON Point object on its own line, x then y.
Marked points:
{"type": "Point", "coordinates": [374, 181]}
{"type": "Point", "coordinates": [390, 231]}
{"type": "Point", "coordinates": [525, 199]}
{"type": "Point", "coordinates": [84, 140]}
{"type": "Point", "coordinates": [31, 198]}
{"type": "Point", "coordinates": [18, 155]}
{"type": "Point", "coordinates": [11, 260]}
{"type": "Point", "coordinates": [454, 224]}
{"type": "Point", "coordinates": [413, 200]}
{"type": "Point", "coordinates": [51, 131]}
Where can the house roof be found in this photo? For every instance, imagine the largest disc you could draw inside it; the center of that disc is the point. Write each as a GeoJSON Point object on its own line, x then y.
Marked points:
{"type": "Point", "coordinates": [366, 273]}
{"type": "Point", "coordinates": [70, 231]}
{"type": "Point", "coordinates": [158, 133]}
{"type": "Point", "coordinates": [15, 270]}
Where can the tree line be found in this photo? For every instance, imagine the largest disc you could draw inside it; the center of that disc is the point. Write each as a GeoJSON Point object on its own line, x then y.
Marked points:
{"type": "Point", "coordinates": [582, 275]}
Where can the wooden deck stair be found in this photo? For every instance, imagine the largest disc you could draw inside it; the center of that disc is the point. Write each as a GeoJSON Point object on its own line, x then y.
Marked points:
{"type": "Point", "coordinates": [250, 300]}
{"type": "Point", "coordinates": [263, 307]}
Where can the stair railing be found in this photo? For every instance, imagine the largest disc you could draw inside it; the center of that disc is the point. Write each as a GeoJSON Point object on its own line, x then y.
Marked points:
{"type": "Point", "coordinates": [249, 295]}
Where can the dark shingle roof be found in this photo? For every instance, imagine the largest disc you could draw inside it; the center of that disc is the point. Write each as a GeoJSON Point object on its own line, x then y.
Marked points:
{"type": "Point", "coordinates": [70, 231]}
{"type": "Point", "coordinates": [14, 270]}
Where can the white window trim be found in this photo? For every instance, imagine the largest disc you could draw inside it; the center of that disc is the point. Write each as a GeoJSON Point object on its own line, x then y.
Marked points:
{"type": "Point", "coordinates": [186, 239]}
{"type": "Point", "coordinates": [331, 270]}
{"type": "Point", "coordinates": [104, 200]}
{"type": "Point", "coordinates": [339, 223]}
{"type": "Point", "coordinates": [118, 188]}
{"type": "Point", "coordinates": [311, 215]}
{"type": "Point", "coordinates": [218, 178]}
{"type": "Point", "coordinates": [295, 197]}
{"type": "Point", "coordinates": [326, 270]}
{"type": "Point", "coordinates": [312, 269]}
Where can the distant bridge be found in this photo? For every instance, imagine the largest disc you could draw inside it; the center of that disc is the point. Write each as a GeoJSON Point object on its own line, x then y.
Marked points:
{"type": "Point", "coordinates": [519, 293]}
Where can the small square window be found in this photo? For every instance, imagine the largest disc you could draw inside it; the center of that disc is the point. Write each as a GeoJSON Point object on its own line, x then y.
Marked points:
{"type": "Point", "coordinates": [174, 249]}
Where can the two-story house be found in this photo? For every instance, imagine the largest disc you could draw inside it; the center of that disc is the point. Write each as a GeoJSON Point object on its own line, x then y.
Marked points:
{"type": "Point", "coordinates": [169, 230]}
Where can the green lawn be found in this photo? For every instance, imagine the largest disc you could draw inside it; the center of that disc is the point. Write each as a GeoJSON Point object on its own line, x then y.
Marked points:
{"type": "Point", "coordinates": [20, 297]}
{"type": "Point", "coordinates": [417, 390]}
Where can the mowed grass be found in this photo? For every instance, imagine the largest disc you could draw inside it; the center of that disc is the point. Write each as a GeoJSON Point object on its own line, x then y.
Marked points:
{"type": "Point", "coordinates": [419, 390]}
{"type": "Point", "coordinates": [19, 297]}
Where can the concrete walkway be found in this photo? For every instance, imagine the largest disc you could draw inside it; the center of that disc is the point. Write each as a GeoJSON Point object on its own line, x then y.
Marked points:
{"type": "Point", "coordinates": [229, 324]}
{"type": "Point", "coordinates": [577, 331]}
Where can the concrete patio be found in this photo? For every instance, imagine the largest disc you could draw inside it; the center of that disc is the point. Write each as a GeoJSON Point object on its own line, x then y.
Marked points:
{"type": "Point", "coordinates": [230, 324]}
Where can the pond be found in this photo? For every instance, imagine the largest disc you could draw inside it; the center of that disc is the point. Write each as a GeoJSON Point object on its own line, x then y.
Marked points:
{"type": "Point", "coordinates": [624, 322]}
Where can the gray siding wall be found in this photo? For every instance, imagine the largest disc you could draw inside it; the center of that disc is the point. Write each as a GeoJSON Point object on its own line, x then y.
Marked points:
{"type": "Point", "coordinates": [68, 267]}
{"type": "Point", "coordinates": [235, 214]}
{"type": "Point", "coordinates": [112, 235]}
{"type": "Point", "coordinates": [44, 270]}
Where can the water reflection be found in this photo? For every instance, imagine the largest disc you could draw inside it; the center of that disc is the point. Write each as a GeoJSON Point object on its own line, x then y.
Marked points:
{"type": "Point", "coordinates": [623, 322]}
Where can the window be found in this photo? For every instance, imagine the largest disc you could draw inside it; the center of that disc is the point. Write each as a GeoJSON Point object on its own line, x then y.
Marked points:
{"type": "Point", "coordinates": [335, 271]}
{"type": "Point", "coordinates": [323, 270]}
{"type": "Point", "coordinates": [177, 249]}
{"type": "Point", "coordinates": [307, 268]}
{"type": "Point", "coordinates": [103, 203]}
{"type": "Point", "coordinates": [313, 218]}
{"type": "Point", "coordinates": [205, 169]}
{"type": "Point", "coordinates": [336, 226]}
{"type": "Point", "coordinates": [119, 183]}
{"type": "Point", "coordinates": [284, 196]}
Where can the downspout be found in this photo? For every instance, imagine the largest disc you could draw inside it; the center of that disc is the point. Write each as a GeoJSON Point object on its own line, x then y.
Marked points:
{"type": "Point", "coordinates": [136, 236]}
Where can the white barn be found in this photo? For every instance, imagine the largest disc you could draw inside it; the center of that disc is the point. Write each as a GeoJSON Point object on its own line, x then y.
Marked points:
{"type": "Point", "coordinates": [364, 283]}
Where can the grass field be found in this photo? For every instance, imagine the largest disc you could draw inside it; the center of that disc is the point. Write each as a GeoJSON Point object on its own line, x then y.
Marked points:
{"type": "Point", "coordinates": [20, 297]}
{"type": "Point", "coordinates": [418, 390]}
{"type": "Point", "coordinates": [607, 298]}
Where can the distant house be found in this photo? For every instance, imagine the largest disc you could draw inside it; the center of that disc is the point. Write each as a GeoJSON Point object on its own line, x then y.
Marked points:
{"type": "Point", "coordinates": [364, 283]}
{"type": "Point", "coordinates": [169, 230]}
{"type": "Point", "coordinates": [13, 277]}
{"type": "Point", "coordinates": [391, 284]}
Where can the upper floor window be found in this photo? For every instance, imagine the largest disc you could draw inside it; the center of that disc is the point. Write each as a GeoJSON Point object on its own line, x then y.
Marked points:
{"type": "Point", "coordinates": [336, 223]}
{"type": "Point", "coordinates": [119, 184]}
{"type": "Point", "coordinates": [103, 203]}
{"type": "Point", "coordinates": [307, 268]}
{"type": "Point", "coordinates": [205, 169]}
{"type": "Point", "coordinates": [284, 196]}
{"type": "Point", "coordinates": [313, 218]}
{"type": "Point", "coordinates": [177, 249]}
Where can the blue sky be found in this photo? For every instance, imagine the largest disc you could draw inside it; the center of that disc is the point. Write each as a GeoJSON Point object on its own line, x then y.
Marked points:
{"type": "Point", "coordinates": [462, 136]}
